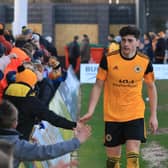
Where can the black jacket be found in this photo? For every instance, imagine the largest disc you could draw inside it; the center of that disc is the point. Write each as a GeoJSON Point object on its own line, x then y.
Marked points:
{"type": "Point", "coordinates": [31, 109]}
{"type": "Point", "coordinates": [74, 50]}
{"type": "Point", "coordinates": [46, 91]}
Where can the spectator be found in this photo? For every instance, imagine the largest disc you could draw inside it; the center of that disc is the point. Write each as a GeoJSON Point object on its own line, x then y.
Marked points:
{"type": "Point", "coordinates": [8, 46]}
{"type": "Point", "coordinates": [25, 151]}
{"type": "Point", "coordinates": [147, 49]}
{"type": "Point", "coordinates": [38, 54]}
{"type": "Point", "coordinates": [110, 38]}
{"type": "Point", "coordinates": [74, 52]}
{"type": "Point", "coordinates": [29, 48]}
{"type": "Point", "coordinates": [9, 36]}
{"type": "Point", "coordinates": [17, 49]}
{"type": "Point", "coordinates": [113, 45]}
{"type": "Point", "coordinates": [50, 46]}
{"type": "Point", "coordinates": [160, 48]}
{"type": "Point", "coordinates": [45, 86]}
{"type": "Point", "coordinates": [27, 33]}
{"type": "Point", "coordinates": [57, 74]}
{"type": "Point", "coordinates": [4, 60]}
{"type": "Point", "coordinates": [85, 49]}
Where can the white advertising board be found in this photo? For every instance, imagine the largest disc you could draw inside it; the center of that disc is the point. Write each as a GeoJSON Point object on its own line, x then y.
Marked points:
{"type": "Point", "coordinates": [88, 72]}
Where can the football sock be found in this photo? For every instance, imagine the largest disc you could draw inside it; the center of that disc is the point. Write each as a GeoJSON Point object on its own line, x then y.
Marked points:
{"type": "Point", "coordinates": [132, 160]}
{"type": "Point", "coordinates": [113, 162]}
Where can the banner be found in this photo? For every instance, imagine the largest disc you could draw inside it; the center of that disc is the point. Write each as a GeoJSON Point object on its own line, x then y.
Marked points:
{"type": "Point", "coordinates": [88, 73]}
{"type": "Point", "coordinates": [161, 71]}
{"type": "Point", "coordinates": [64, 103]}
{"type": "Point", "coordinates": [69, 91]}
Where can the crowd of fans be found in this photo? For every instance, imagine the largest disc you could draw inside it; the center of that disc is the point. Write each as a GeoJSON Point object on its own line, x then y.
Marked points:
{"type": "Point", "coordinates": [154, 45]}
{"type": "Point", "coordinates": [30, 73]}
{"type": "Point", "coordinates": [32, 48]}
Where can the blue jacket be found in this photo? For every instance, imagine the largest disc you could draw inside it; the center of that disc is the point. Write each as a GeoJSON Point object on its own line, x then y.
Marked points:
{"type": "Point", "coordinates": [26, 151]}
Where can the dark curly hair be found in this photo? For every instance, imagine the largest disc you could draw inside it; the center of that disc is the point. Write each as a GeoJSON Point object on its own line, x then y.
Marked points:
{"type": "Point", "coordinates": [130, 30]}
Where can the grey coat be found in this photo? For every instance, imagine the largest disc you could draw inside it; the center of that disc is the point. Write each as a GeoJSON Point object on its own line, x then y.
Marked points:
{"type": "Point", "coordinates": [26, 151]}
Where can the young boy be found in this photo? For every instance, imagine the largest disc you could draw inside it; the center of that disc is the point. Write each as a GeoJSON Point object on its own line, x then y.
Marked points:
{"type": "Point", "coordinates": [25, 151]}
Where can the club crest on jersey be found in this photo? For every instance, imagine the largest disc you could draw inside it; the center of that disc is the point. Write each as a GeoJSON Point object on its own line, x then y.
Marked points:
{"type": "Point", "coordinates": [137, 68]}
{"type": "Point", "coordinates": [108, 137]}
{"type": "Point", "coordinates": [115, 67]}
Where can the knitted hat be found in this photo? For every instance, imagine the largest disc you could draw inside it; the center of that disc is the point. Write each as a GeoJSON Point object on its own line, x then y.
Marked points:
{"type": "Point", "coordinates": [26, 31]}
{"type": "Point", "coordinates": [26, 76]}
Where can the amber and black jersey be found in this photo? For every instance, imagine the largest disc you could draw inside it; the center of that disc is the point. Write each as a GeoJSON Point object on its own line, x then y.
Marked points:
{"type": "Point", "coordinates": [123, 79]}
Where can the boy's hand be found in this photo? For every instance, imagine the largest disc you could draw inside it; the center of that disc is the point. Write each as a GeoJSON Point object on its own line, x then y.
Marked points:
{"type": "Point", "coordinates": [82, 133]}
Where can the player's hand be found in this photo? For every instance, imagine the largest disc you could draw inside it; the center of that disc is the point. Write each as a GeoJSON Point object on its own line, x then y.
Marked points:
{"type": "Point", "coordinates": [153, 124]}
{"type": "Point", "coordinates": [85, 118]}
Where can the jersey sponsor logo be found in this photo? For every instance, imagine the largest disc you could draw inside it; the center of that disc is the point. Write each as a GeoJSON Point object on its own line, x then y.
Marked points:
{"type": "Point", "coordinates": [137, 68]}
{"type": "Point", "coordinates": [126, 81]}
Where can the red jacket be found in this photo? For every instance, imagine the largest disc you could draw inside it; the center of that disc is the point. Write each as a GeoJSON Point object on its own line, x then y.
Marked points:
{"type": "Point", "coordinates": [7, 44]}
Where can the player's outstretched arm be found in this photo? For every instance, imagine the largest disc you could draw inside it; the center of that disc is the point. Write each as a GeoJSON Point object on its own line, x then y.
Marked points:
{"type": "Point", "coordinates": [94, 98]}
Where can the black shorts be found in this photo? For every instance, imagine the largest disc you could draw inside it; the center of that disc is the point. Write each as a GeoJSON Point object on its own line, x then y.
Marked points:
{"type": "Point", "coordinates": [116, 133]}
